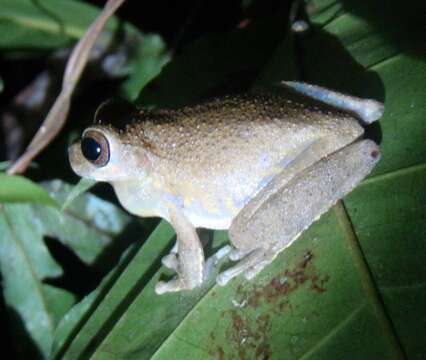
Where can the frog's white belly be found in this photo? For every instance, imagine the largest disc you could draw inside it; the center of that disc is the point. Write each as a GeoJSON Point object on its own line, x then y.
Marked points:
{"type": "Point", "coordinates": [219, 218]}
{"type": "Point", "coordinates": [207, 201]}
{"type": "Point", "coordinates": [216, 202]}
{"type": "Point", "coordinates": [142, 198]}
{"type": "Point", "coordinates": [146, 200]}
{"type": "Point", "coordinates": [215, 209]}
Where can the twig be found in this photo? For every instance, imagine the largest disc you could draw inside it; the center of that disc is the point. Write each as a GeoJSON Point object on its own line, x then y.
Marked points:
{"type": "Point", "coordinates": [56, 117]}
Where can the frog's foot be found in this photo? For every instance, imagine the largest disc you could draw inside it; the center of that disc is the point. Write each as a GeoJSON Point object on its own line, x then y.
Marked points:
{"type": "Point", "coordinates": [187, 277]}
{"type": "Point", "coordinates": [174, 285]}
{"type": "Point", "coordinates": [179, 281]}
{"type": "Point", "coordinates": [267, 257]}
{"type": "Point", "coordinates": [170, 261]}
{"type": "Point", "coordinates": [212, 261]}
{"type": "Point", "coordinates": [182, 280]}
{"type": "Point", "coordinates": [227, 251]}
{"type": "Point", "coordinates": [237, 254]}
{"type": "Point", "coordinates": [250, 265]}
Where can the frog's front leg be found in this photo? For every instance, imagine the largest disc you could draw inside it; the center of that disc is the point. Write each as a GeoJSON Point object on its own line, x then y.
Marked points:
{"type": "Point", "coordinates": [188, 261]}
{"type": "Point", "coordinates": [280, 214]}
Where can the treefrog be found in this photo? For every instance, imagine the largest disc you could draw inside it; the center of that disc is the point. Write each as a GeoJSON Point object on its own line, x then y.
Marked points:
{"type": "Point", "coordinates": [265, 166]}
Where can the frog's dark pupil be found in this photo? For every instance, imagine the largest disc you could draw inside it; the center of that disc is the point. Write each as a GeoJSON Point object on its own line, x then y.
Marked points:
{"type": "Point", "coordinates": [91, 148]}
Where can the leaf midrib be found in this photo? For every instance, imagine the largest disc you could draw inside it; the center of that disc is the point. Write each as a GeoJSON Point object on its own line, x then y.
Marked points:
{"type": "Point", "coordinates": [394, 173]}
{"type": "Point", "coordinates": [367, 281]}
{"type": "Point", "coordinates": [355, 248]}
{"type": "Point", "coordinates": [44, 25]}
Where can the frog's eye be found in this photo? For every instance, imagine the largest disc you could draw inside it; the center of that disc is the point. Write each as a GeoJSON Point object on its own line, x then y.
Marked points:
{"type": "Point", "coordinates": [95, 148]}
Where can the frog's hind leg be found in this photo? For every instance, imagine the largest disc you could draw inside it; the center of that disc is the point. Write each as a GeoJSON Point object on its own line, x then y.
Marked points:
{"type": "Point", "coordinates": [266, 229]}
{"type": "Point", "coordinates": [366, 110]}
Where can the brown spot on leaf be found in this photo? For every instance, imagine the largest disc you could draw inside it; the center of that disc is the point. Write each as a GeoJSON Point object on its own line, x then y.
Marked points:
{"type": "Point", "coordinates": [250, 336]}
{"type": "Point", "coordinates": [220, 353]}
{"type": "Point", "coordinates": [284, 283]}
{"type": "Point", "coordinates": [250, 324]}
{"type": "Point", "coordinates": [263, 352]}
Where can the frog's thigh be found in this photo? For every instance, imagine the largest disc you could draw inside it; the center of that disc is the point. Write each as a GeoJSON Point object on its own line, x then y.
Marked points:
{"type": "Point", "coordinates": [189, 262]}
{"type": "Point", "coordinates": [284, 215]}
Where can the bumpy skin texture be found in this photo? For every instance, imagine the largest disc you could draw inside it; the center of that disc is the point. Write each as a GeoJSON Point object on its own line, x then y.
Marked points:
{"type": "Point", "coordinates": [248, 163]}
{"type": "Point", "coordinates": [215, 156]}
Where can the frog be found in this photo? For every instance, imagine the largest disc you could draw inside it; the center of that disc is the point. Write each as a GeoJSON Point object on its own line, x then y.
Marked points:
{"type": "Point", "coordinates": [264, 165]}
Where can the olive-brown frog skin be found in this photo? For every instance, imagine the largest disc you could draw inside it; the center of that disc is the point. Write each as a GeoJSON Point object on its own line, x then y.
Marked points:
{"type": "Point", "coordinates": [231, 162]}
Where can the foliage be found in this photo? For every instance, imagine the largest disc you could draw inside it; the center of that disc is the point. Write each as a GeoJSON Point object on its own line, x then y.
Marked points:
{"type": "Point", "coordinates": [357, 274]}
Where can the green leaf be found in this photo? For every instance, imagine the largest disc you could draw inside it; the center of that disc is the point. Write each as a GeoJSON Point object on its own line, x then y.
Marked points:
{"type": "Point", "coordinates": [4, 165]}
{"type": "Point", "coordinates": [121, 293]}
{"type": "Point", "coordinates": [43, 24]}
{"type": "Point", "coordinates": [354, 283]}
{"type": "Point", "coordinates": [82, 186]}
{"type": "Point", "coordinates": [148, 61]}
{"type": "Point", "coordinates": [74, 318]}
{"type": "Point", "coordinates": [52, 24]}
{"type": "Point", "coordinates": [14, 188]}
{"type": "Point", "coordinates": [88, 228]}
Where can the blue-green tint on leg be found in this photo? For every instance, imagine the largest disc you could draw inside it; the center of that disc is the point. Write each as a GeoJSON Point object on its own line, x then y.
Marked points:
{"type": "Point", "coordinates": [367, 110]}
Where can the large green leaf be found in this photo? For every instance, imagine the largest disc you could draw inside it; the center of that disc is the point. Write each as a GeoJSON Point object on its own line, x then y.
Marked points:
{"type": "Point", "coordinates": [354, 284]}
{"type": "Point", "coordinates": [18, 189]}
{"type": "Point", "coordinates": [87, 227]}
{"type": "Point", "coordinates": [51, 24]}
{"type": "Point", "coordinates": [45, 24]}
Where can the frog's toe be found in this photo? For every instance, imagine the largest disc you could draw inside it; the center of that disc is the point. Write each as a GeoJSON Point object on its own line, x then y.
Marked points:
{"type": "Point", "coordinates": [174, 285]}
{"type": "Point", "coordinates": [266, 258]}
{"type": "Point", "coordinates": [224, 277]}
{"type": "Point", "coordinates": [170, 261]}
{"type": "Point", "coordinates": [238, 254]}
{"type": "Point", "coordinates": [243, 265]}
{"type": "Point", "coordinates": [213, 261]}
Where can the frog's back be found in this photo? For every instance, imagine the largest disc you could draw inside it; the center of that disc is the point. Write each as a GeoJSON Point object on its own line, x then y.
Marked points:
{"type": "Point", "coordinates": [216, 155]}
{"type": "Point", "coordinates": [236, 127]}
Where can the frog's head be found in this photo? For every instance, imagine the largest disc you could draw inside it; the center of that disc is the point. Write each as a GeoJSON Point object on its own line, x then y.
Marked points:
{"type": "Point", "coordinates": [108, 153]}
